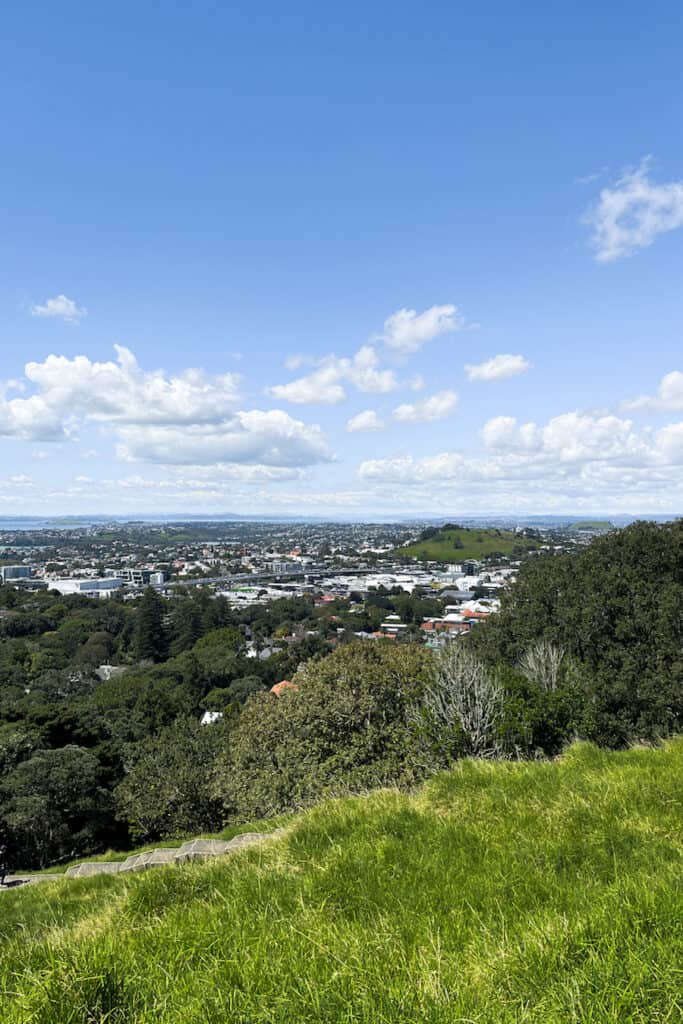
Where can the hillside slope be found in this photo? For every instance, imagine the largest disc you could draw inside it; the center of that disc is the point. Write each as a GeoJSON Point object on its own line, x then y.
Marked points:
{"type": "Point", "coordinates": [455, 545]}
{"type": "Point", "coordinates": [501, 893]}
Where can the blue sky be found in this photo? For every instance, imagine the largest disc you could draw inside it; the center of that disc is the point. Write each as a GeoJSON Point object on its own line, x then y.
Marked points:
{"type": "Point", "coordinates": [304, 258]}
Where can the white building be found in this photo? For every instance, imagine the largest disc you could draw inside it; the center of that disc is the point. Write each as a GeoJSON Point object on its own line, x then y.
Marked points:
{"type": "Point", "coordinates": [87, 587]}
{"type": "Point", "coordinates": [392, 625]}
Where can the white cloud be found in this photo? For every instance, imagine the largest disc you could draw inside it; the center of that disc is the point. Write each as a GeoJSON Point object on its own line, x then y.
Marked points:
{"type": "Point", "coordinates": [631, 214]}
{"type": "Point", "coordinates": [324, 385]}
{"type": "Point", "coordinates": [367, 420]}
{"type": "Point", "coordinates": [669, 441]}
{"type": "Point", "coordinates": [219, 477]}
{"type": "Point", "coordinates": [61, 307]}
{"type": "Point", "coordinates": [588, 179]}
{"type": "Point", "coordinates": [270, 438]}
{"type": "Point", "coordinates": [502, 431]}
{"type": "Point", "coordinates": [571, 437]}
{"type": "Point", "coordinates": [124, 393]}
{"type": "Point", "coordinates": [296, 360]}
{"type": "Point", "coordinates": [186, 418]}
{"type": "Point", "coordinates": [498, 368]}
{"type": "Point", "coordinates": [108, 392]}
{"type": "Point", "coordinates": [407, 330]}
{"type": "Point", "coordinates": [669, 395]}
{"type": "Point", "coordinates": [406, 469]}
{"type": "Point", "coordinates": [321, 387]}
{"type": "Point", "coordinates": [573, 460]}
{"type": "Point", "coordinates": [436, 407]}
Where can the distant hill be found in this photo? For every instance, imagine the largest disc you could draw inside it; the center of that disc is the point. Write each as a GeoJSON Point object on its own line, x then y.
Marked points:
{"type": "Point", "coordinates": [536, 893]}
{"type": "Point", "coordinates": [592, 524]}
{"type": "Point", "coordinates": [456, 543]}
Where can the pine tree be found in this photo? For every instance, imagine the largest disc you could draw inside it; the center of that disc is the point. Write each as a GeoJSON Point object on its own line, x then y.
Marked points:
{"type": "Point", "coordinates": [187, 626]}
{"type": "Point", "coordinates": [150, 642]}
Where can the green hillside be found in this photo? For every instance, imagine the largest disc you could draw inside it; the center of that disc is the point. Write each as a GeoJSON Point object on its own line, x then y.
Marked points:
{"type": "Point", "coordinates": [453, 544]}
{"type": "Point", "coordinates": [501, 893]}
{"type": "Point", "coordinates": [592, 524]}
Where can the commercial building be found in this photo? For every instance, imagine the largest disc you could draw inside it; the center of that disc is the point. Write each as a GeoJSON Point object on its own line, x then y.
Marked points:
{"type": "Point", "coordinates": [284, 568]}
{"type": "Point", "coordinates": [15, 572]}
{"type": "Point", "coordinates": [142, 577]}
{"type": "Point", "coordinates": [87, 587]}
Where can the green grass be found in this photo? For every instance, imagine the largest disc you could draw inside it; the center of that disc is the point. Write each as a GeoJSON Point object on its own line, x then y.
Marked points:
{"type": "Point", "coordinates": [475, 544]}
{"type": "Point", "coordinates": [499, 894]}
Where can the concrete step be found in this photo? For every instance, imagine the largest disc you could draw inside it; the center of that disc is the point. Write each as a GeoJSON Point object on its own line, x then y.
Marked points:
{"type": "Point", "coordinates": [14, 881]}
{"type": "Point", "coordinates": [150, 859]}
{"type": "Point", "coordinates": [198, 849]}
{"type": "Point", "coordinates": [95, 867]}
{"type": "Point", "coordinates": [195, 849]}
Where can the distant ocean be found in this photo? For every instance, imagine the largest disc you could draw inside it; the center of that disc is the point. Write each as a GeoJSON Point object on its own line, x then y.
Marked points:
{"type": "Point", "coordinates": [45, 524]}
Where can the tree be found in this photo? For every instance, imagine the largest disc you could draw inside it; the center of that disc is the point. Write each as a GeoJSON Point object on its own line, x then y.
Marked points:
{"type": "Point", "coordinates": [346, 726]}
{"type": "Point", "coordinates": [187, 626]}
{"type": "Point", "coordinates": [149, 636]}
{"type": "Point", "coordinates": [168, 787]}
{"type": "Point", "coordinates": [542, 664]}
{"type": "Point", "coordinates": [464, 698]}
{"type": "Point", "coordinates": [617, 610]}
{"type": "Point", "coordinates": [54, 806]}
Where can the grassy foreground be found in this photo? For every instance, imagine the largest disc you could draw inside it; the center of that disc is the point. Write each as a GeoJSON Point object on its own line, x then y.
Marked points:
{"type": "Point", "coordinates": [545, 892]}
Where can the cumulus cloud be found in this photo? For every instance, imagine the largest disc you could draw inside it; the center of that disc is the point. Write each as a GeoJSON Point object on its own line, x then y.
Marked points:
{"type": "Point", "coordinates": [267, 438]}
{"type": "Point", "coordinates": [570, 437]}
{"type": "Point", "coordinates": [367, 420]}
{"type": "Point", "coordinates": [669, 397]}
{"type": "Point", "coordinates": [186, 418]}
{"type": "Point", "coordinates": [324, 385]}
{"type": "Point", "coordinates": [572, 458]}
{"type": "Point", "coordinates": [124, 393]}
{"type": "Point", "coordinates": [498, 368]}
{"type": "Point", "coordinates": [406, 469]}
{"type": "Point", "coordinates": [62, 308]}
{"type": "Point", "coordinates": [112, 392]}
{"type": "Point", "coordinates": [436, 407]}
{"type": "Point", "coordinates": [630, 214]}
{"type": "Point", "coordinates": [407, 331]}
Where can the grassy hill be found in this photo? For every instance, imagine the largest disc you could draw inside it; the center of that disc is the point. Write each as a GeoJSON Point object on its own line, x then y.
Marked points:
{"type": "Point", "coordinates": [498, 893]}
{"type": "Point", "coordinates": [454, 545]}
{"type": "Point", "coordinates": [592, 524]}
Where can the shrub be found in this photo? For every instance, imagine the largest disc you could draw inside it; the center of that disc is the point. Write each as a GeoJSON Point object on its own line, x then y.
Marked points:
{"type": "Point", "coordinates": [348, 726]}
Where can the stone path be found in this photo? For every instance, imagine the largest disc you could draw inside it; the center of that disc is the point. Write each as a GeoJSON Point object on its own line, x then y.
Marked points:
{"type": "Point", "coordinates": [195, 849]}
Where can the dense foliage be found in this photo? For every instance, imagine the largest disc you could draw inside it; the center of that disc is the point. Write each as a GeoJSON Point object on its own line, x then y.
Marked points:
{"type": "Point", "coordinates": [346, 727]}
{"type": "Point", "coordinates": [71, 731]}
{"type": "Point", "coordinates": [616, 609]}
